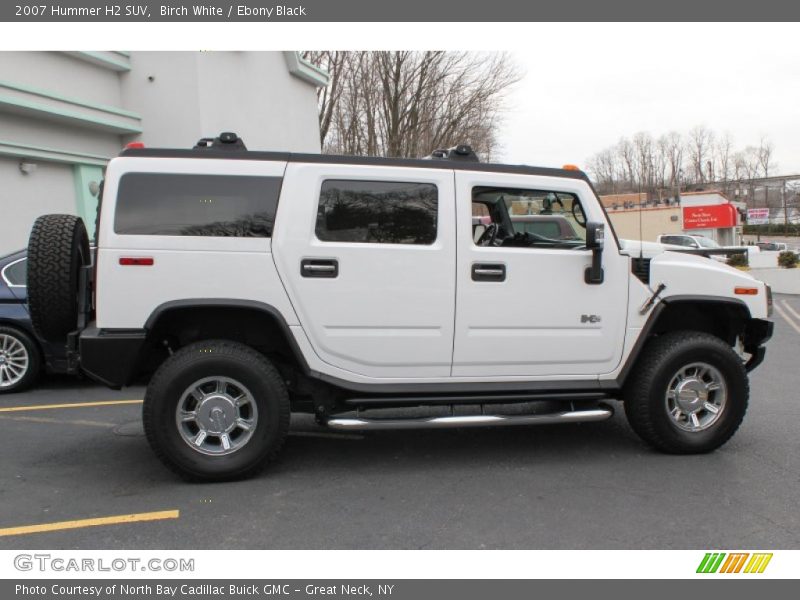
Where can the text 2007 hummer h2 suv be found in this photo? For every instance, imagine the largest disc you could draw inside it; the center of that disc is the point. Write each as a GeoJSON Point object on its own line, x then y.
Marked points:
{"type": "Point", "coordinates": [366, 291]}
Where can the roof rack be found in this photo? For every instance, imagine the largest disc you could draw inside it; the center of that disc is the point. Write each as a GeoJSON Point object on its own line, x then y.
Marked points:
{"type": "Point", "coordinates": [227, 140]}
{"type": "Point", "coordinates": [461, 152]}
{"type": "Point", "coordinates": [230, 147]}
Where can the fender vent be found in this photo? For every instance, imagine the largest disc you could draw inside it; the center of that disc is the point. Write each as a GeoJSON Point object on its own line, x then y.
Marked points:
{"type": "Point", "coordinates": [641, 268]}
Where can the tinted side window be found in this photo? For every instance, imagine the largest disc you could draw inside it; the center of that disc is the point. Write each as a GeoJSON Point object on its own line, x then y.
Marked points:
{"type": "Point", "coordinates": [17, 273]}
{"type": "Point", "coordinates": [381, 212]}
{"type": "Point", "coordinates": [196, 205]}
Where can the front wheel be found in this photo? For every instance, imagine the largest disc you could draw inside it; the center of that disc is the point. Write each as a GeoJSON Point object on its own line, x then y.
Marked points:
{"type": "Point", "coordinates": [688, 394]}
{"type": "Point", "coordinates": [215, 411]}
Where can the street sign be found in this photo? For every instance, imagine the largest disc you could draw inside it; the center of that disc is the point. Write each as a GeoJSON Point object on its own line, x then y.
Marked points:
{"type": "Point", "coordinates": [757, 216]}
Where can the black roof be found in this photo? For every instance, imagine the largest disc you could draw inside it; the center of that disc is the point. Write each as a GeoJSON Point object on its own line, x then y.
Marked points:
{"type": "Point", "coordinates": [433, 163]}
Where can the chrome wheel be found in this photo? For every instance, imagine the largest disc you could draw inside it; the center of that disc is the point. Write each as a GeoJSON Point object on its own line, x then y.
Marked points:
{"type": "Point", "coordinates": [216, 416]}
{"type": "Point", "coordinates": [14, 360]}
{"type": "Point", "coordinates": [696, 397]}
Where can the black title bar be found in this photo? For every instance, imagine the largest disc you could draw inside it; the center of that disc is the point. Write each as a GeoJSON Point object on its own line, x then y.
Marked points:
{"type": "Point", "coordinates": [403, 10]}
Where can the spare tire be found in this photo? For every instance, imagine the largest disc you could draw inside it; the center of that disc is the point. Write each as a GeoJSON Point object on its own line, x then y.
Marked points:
{"type": "Point", "coordinates": [57, 249]}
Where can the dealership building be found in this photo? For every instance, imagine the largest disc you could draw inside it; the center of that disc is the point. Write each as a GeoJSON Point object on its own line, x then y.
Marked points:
{"type": "Point", "coordinates": [707, 213]}
{"type": "Point", "coordinates": [64, 115]}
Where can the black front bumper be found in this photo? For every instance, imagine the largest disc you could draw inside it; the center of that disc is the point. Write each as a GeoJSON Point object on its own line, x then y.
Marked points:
{"type": "Point", "coordinates": [756, 333]}
{"type": "Point", "coordinates": [110, 356]}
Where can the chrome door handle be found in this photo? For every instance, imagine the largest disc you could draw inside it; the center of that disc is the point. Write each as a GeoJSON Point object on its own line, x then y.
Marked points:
{"type": "Point", "coordinates": [495, 272]}
{"type": "Point", "coordinates": [488, 272]}
{"type": "Point", "coordinates": [319, 267]}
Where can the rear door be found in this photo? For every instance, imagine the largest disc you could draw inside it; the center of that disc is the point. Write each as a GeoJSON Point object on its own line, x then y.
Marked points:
{"type": "Point", "coordinates": [367, 254]}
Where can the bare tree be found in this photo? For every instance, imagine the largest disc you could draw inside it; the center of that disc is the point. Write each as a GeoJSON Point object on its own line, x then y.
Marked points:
{"type": "Point", "coordinates": [664, 165]}
{"type": "Point", "coordinates": [643, 158]}
{"type": "Point", "coordinates": [764, 156]}
{"type": "Point", "coordinates": [409, 103]}
{"type": "Point", "coordinates": [673, 143]}
{"type": "Point", "coordinates": [627, 156]}
{"type": "Point", "coordinates": [699, 147]}
{"type": "Point", "coordinates": [606, 170]}
{"type": "Point", "coordinates": [328, 96]}
{"type": "Point", "coordinates": [723, 157]}
{"type": "Point", "coordinates": [747, 164]}
{"type": "Point", "coordinates": [661, 163]}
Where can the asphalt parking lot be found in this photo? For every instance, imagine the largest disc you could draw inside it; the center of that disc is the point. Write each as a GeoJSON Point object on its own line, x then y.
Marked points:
{"type": "Point", "coordinates": [593, 486]}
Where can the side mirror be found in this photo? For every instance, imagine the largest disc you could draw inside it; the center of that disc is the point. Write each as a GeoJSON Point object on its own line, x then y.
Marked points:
{"type": "Point", "coordinates": [595, 239]}
{"type": "Point", "coordinates": [595, 235]}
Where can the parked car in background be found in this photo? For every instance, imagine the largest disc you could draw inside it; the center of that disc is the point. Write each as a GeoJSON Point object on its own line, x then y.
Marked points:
{"type": "Point", "coordinates": [700, 242]}
{"type": "Point", "coordinates": [688, 241]}
{"type": "Point", "coordinates": [776, 247]}
{"type": "Point", "coordinates": [23, 356]}
{"type": "Point", "coordinates": [771, 246]}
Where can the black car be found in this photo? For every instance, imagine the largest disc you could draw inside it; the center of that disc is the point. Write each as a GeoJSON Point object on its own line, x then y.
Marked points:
{"type": "Point", "coordinates": [23, 356]}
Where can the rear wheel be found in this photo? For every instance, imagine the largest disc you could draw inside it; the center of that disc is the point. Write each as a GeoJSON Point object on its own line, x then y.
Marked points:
{"type": "Point", "coordinates": [57, 249]}
{"type": "Point", "coordinates": [689, 393]}
{"type": "Point", "coordinates": [20, 360]}
{"type": "Point", "coordinates": [215, 411]}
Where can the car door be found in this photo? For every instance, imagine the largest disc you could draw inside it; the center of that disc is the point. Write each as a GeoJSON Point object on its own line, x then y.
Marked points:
{"type": "Point", "coordinates": [367, 254]}
{"type": "Point", "coordinates": [527, 311]}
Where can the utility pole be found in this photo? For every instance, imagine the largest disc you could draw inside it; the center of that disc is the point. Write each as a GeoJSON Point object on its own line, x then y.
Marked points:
{"type": "Point", "coordinates": [785, 209]}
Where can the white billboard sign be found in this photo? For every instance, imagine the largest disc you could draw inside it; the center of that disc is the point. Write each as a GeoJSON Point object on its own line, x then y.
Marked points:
{"type": "Point", "coordinates": [757, 216]}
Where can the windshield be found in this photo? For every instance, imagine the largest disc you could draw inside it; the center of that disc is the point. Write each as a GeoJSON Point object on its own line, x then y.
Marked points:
{"type": "Point", "coordinates": [707, 243]}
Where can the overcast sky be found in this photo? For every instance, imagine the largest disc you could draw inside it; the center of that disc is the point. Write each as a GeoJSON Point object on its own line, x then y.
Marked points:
{"type": "Point", "coordinates": [581, 93]}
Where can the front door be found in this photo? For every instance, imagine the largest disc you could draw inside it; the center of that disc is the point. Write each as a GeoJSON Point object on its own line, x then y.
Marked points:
{"type": "Point", "coordinates": [523, 307]}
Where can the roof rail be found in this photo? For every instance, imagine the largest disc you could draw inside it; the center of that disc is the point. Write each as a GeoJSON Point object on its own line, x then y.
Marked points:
{"type": "Point", "coordinates": [460, 152]}
{"type": "Point", "coordinates": [227, 140]}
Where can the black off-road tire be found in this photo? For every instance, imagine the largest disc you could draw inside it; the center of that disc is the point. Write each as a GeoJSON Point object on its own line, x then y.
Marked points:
{"type": "Point", "coordinates": [219, 358]}
{"type": "Point", "coordinates": [34, 360]}
{"type": "Point", "coordinates": [645, 392]}
{"type": "Point", "coordinates": [57, 249]}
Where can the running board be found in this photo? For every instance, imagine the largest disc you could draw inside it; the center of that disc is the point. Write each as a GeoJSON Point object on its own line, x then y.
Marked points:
{"type": "Point", "coordinates": [574, 416]}
{"type": "Point", "coordinates": [450, 399]}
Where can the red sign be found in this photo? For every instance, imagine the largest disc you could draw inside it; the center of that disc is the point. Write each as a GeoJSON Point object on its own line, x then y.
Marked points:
{"type": "Point", "coordinates": [711, 216]}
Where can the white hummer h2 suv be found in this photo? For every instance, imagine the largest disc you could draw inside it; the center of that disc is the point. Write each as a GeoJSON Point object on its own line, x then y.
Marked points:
{"type": "Point", "coordinates": [383, 293]}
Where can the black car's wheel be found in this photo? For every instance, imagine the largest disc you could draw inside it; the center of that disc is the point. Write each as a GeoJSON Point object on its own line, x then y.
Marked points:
{"type": "Point", "coordinates": [215, 411]}
{"type": "Point", "coordinates": [20, 360]}
{"type": "Point", "coordinates": [688, 394]}
{"type": "Point", "coordinates": [57, 249]}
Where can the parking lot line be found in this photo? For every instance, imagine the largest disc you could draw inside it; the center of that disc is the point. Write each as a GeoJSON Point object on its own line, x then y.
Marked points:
{"type": "Point", "coordinates": [72, 405]}
{"type": "Point", "coordinates": [785, 315]}
{"type": "Point", "coordinates": [791, 310]}
{"type": "Point", "coordinates": [114, 520]}
{"type": "Point", "coordinates": [103, 424]}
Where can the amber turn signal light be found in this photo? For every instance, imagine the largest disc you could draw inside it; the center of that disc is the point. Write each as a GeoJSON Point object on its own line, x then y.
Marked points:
{"type": "Point", "coordinates": [745, 291]}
